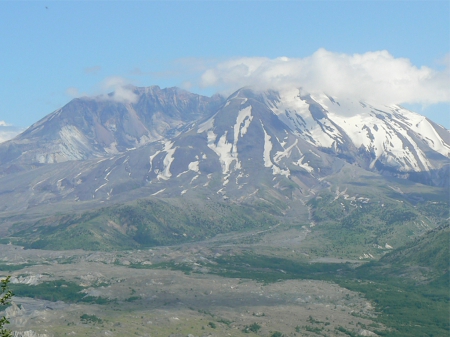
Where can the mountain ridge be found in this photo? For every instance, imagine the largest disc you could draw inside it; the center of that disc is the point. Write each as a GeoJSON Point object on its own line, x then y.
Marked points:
{"type": "Point", "coordinates": [90, 127]}
{"type": "Point", "coordinates": [283, 143]}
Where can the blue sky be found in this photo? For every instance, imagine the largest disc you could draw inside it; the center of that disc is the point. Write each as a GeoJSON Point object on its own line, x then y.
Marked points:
{"type": "Point", "coordinates": [73, 48]}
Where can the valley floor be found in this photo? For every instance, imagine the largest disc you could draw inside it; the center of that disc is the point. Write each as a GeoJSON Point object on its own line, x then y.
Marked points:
{"type": "Point", "coordinates": [267, 284]}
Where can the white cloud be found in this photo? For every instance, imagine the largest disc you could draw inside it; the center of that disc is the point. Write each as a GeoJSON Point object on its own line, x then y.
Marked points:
{"type": "Point", "coordinates": [122, 90]}
{"type": "Point", "coordinates": [8, 131]}
{"type": "Point", "coordinates": [372, 76]}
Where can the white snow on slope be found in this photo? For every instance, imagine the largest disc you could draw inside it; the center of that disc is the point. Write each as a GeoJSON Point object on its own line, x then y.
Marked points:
{"type": "Point", "coordinates": [383, 131]}
{"type": "Point", "coordinates": [244, 116]}
{"type": "Point", "coordinates": [266, 155]}
{"type": "Point", "coordinates": [228, 152]}
{"type": "Point", "coordinates": [286, 153]}
{"type": "Point", "coordinates": [267, 148]}
{"type": "Point", "coordinates": [303, 165]}
{"type": "Point", "coordinates": [167, 161]}
{"type": "Point", "coordinates": [222, 149]}
{"type": "Point", "coordinates": [158, 192]}
{"type": "Point", "coordinates": [294, 112]}
{"type": "Point", "coordinates": [151, 159]}
{"type": "Point", "coordinates": [194, 166]}
{"type": "Point", "coordinates": [426, 131]}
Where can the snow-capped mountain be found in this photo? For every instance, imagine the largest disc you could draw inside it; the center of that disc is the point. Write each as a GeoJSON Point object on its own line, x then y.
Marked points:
{"type": "Point", "coordinates": [287, 133]}
{"type": "Point", "coordinates": [392, 137]}
{"type": "Point", "coordinates": [286, 143]}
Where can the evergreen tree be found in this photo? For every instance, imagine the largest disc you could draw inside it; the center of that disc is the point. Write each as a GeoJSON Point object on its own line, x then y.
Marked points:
{"type": "Point", "coordinates": [5, 299]}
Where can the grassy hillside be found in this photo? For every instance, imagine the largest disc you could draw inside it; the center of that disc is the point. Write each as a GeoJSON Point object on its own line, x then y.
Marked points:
{"type": "Point", "coordinates": [423, 260]}
{"type": "Point", "coordinates": [145, 223]}
{"type": "Point", "coordinates": [373, 219]}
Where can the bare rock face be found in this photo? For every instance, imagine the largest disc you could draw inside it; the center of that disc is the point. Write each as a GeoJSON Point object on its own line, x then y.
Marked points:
{"type": "Point", "coordinates": [367, 333]}
{"type": "Point", "coordinates": [14, 311]}
{"type": "Point", "coordinates": [90, 127]}
{"type": "Point", "coordinates": [28, 333]}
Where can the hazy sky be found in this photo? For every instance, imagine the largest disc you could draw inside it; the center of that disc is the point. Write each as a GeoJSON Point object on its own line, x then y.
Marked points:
{"type": "Point", "coordinates": [390, 51]}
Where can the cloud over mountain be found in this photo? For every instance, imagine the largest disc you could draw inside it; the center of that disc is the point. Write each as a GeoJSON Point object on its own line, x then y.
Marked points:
{"type": "Point", "coordinates": [8, 131]}
{"type": "Point", "coordinates": [373, 76]}
{"type": "Point", "coordinates": [122, 91]}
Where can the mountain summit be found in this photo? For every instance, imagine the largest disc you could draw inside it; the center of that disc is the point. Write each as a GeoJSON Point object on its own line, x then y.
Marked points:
{"type": "Point", "coordinates": [90, 127]}
{"type": "Point", "coordinates": [292, 135]}
{"type": "Point", "coordinates": [171, 142]}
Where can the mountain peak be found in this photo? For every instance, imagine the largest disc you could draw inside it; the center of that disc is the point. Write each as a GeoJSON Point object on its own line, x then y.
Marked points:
{"type": "Point", "coordinates": [278, 130]}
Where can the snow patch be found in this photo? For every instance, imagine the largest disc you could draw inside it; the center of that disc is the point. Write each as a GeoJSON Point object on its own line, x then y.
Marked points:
{"type": "Point", "coordinates": [194, 166]}
{"type": "Point", "coordinates": [284, 154]}
{"type": "Point", "coordinates": [167, 161]}
{"type": "Point", "coordinates": [223, 149]}
{"type": "Point", "coordinates": [304, 166]}
{"type": "Point", "coordinates": [160, 191]}
{"type": "Point", "coordinates": [266, 155]}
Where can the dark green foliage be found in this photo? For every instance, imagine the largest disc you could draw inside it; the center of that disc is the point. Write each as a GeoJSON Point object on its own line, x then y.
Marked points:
{"type": "Point", "coordinates": [270, 269]}
{"type": "Point", "coordinates": [254, 327]}
{"type": "Point", "coordinates": [438, 211]}
{"type": "Point", "coordinates": [347, 332]}
{"type": "Point", "coordinates": [212, 325]}
{"type": "Point", "coordinates": [59, 290]}
{"type": "Point", "coordinates": [431, 250]}
{"type": "Point", "coordinates": [314, 329]}
{"type": "Point", "coordinates": [13, 267]}
{"type": "Point", "coordinates": [224, 321]}
{"type": "Point", "coordinates": [313, 321]}
{"type": "Point", "coordinates": [5, 299]}
{"type": "Point", "coordinates": [132, 298]}
{"type": "Point", "coordinates": [277, 334]}
{"type": "Point", "coordinates": [85, 318]}
{"type": "Point", "coordinates": [408, 309]}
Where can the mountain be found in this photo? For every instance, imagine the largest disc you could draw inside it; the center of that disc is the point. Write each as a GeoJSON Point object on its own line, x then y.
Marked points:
{"type": "Point", "coordinates": [171, 142]}
{"type": "Point", "coordinates": [92, 127]}
{"type": "Point", "coordinates": [347, 166]}
{"type": "Point", "coordinates": [8, 132]}
{"type": "Point", "coordinates": [299, 136]}
{"type": "Point", "coordinates": [429, 252]}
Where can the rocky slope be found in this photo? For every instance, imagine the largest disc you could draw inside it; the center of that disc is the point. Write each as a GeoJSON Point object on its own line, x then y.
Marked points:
{"type": "Point", "coordinates": [90, 127]}
{"type": "Point", "coordinates": [253, 146]}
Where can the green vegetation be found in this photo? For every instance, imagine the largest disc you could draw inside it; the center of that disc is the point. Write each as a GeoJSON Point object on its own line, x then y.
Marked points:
{"type": "Point", "coordinates": [254, 327]}
{"type": "Point", "coordinates": [277, 334]}
{"type": "Point", "coordinates": [346, 331]}
{"type": "Point", "coordinates": [59, 290]}
{"type": "Point", "coordinates": [145, 223]}
{"type": "Point", "coordinates": [430, 251]}
{"type": "Point", "coordinates": [5, 299]}
{"type": "Point", "coordinates": [85, 318]}
{"type": "Point", "coordinates": [272, 269]}
{"type": "Point", "coordinates": [13, 267]}
{"type": "Point", "coordinates": [348, 228]}
{"type": "Point", "coordinates": [405, 306]}
{"type": "Point", "coordinates": [314, 329]}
